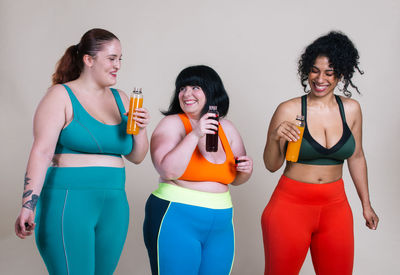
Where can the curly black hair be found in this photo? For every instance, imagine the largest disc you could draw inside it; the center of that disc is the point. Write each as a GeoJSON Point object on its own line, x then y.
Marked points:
{"type": "Point", "coordinates": [342, 55]}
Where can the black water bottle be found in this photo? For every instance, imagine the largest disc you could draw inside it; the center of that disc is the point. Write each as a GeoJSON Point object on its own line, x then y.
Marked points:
{"type": "Point", "coordinates": [212, 139]}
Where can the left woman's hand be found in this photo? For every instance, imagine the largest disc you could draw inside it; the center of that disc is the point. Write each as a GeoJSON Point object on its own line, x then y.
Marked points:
{"type": "Point", "coordinates": [244, 164]}
{"type": "Point", "coordinates": [25, 223]}
{"type": "Point", "coordinates": [141, 116]}
{"type": "Point", "coordinates": [371, 219]}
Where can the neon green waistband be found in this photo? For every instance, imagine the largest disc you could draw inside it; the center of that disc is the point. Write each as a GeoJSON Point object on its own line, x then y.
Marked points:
{"type": "Point", "coordinates": [179, 194]}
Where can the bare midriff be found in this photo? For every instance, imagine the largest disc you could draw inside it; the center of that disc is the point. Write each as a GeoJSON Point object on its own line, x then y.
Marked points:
{"type": "Point", "coordinates": [204, 186]}
{"type": "Point", "coordinates": [313, 173]}
{"type": "Point", "coordinates": [84, 160]}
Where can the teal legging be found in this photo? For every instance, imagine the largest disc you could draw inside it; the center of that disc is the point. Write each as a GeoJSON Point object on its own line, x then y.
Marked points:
{"type": "Point", "coordinates": [82, 220]}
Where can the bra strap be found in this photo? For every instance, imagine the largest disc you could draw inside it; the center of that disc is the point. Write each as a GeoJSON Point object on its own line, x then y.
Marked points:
{"type": "Point", "coordinates": [304, 106]}
{"type": "Point", "coordinates": [225, 142]}
{"type": "Point", "coordinates": [341, 108]}
{"type": "Point", "coordinates": [117, 97]}
{"type": "Point", "coordinates": [74, 101]}
{"type": "Point", "coordinates": [186, 122]}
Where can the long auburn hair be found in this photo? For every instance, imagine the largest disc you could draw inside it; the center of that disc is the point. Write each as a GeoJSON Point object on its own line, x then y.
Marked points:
{"type": "Point", "coordinates": [70, 66]}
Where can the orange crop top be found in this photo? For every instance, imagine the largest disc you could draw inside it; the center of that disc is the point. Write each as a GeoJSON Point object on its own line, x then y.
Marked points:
{"type": "Point", "coordinates": [200, 169]}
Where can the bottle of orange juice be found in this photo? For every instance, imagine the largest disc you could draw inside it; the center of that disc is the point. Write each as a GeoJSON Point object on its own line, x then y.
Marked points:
{"type": "Point", "coordinates": [293, 148]}
{"type": "Point", "coordinates": [136, 101]}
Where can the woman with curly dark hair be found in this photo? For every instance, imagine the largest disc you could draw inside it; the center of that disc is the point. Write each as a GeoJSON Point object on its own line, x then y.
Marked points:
{"type": "Point", "coordinates": [309, 208]}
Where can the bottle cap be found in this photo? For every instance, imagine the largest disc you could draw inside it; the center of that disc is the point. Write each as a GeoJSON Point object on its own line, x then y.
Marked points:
{"type": "Point", "coordinates": [137, 90]}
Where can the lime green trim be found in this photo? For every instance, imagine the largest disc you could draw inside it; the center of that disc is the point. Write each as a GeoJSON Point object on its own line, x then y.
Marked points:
{"type": "Point", "coordinates": [179, 194]}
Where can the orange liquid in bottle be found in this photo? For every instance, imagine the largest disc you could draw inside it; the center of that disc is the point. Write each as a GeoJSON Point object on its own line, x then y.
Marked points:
{"type": "Point", "coordinates": [135, 102]}
{"type": "Point", "coordinates": [293, 149]}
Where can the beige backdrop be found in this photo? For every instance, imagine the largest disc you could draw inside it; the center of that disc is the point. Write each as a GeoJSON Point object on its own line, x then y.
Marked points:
{"type": "Point", "coordinates": [254, 46]}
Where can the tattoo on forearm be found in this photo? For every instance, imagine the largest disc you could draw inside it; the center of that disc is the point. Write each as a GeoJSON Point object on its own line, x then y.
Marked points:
{"type": "Point", "coordinates": [27, 193]}
{"type": "Point", "coordinates": [26, 180]}
{"type": "Point", "coordinates": [32, 203]}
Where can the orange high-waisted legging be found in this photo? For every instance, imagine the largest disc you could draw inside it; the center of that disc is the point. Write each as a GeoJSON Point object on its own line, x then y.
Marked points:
{"type": "Point", "coordinates": [304, 215]}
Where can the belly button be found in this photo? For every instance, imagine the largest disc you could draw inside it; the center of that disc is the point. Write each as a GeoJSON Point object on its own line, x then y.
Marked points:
{"type": "Point", "coordinates": [320, 180]}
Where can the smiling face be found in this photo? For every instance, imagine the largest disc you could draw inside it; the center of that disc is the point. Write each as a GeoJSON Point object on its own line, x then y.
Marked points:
{"type": "Point", "coordinates": [192, 100]}
{"type": "Point", "coordinates": [322, 78]}
{"type": "Point", "coordinates": [105, 65]}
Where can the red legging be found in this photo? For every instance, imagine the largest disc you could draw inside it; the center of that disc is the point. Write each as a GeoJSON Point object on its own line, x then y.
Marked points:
{"type": "Point", "coordinates": [302, 215]}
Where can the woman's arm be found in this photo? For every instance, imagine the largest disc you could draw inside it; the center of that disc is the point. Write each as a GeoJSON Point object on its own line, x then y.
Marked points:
{"type": "Point", "coordinates": [280, 130]}
{"type": "Point", "coordinates": [244, 167]}
{"type": "Point", "coordinates": [50, 118]}
{"type": "Point", "coordinates": [140, 141]}
{"type": "Point", "coordinates": [358, 165]}
{"type": "Point", "coordinates": [171, 149]}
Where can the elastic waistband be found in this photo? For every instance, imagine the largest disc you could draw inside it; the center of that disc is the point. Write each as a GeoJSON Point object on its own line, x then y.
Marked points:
{"type": "Point", "coordinates": [85, 178]}
{"type": "Point", "coordinates": [179, 194]}
{"type": "Point", "coordinates": [312, 193]}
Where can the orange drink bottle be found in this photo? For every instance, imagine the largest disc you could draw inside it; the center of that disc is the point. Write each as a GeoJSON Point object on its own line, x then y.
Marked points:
{"type": "Point", "coordinates": [293, 148]}
{"type": "Point", "coordinates": [136, 101]}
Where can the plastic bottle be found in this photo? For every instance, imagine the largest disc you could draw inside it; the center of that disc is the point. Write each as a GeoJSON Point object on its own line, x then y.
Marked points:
{"type": "Point", "coordinates": [212, 139]}
{"type": "Point", "coordinates": [293, 148]}
{"type": "Point", "coordinates": [136, 101]}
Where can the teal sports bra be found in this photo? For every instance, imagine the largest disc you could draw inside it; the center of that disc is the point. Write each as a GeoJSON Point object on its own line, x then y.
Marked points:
{"type": "Point", "coordinates": [313, 153]}
{"type": "Point", "coordinates": [86, 135]}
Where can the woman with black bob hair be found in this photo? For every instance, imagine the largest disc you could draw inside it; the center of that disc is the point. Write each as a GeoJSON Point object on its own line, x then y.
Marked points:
{"type": "Point", "coordinates": [211, 84]}
{"type": "Point", "coordinates": [188, 227]}
{"type": "Point", "coordinates": [309, 208]}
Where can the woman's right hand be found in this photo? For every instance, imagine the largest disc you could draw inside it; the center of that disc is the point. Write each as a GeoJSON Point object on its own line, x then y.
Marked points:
{"type": "Point", "coordinates": [25, 224]}
{"type": "Point", "coordinates": [206, 125]}
{"type": "Point", "coordinates": [287, 131]}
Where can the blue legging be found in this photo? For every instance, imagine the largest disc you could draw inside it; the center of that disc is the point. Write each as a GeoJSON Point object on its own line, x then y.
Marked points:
{"type": "Point", "coordinates": [82, 220]}
{"type": "Point", "coordinates": [184, 239]}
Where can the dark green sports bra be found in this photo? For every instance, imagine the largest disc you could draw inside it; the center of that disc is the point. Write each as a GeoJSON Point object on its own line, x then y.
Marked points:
{"type": "Point", "coordinates": [311, 152]}
{"type": "Point", "coordinates": [86, 135]}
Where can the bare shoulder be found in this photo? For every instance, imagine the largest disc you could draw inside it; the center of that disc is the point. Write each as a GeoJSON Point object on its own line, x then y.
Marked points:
{"type": "Point", "coordinates": [56, 94]}
{"type": "Point", "coordinates": [169, 131]}
{"type": "Point", "coordinates": [288, 109]}
{"type": "Point", "coordinates": [351, 106]}
{"type": "Point", "coordinates": [229, 128]}
{"type": "Point", "coordinates": [171, 120]}
{"type": "Point", "coordinates": [54, 107]}
{"type": "Point", "coordinates": [57, 90]}
{"type": "Point", "coordinates": [170, 124]}
{"type": "Point", "coordinates": [227, 125]}
{"type": "Point", "coordinates": [352, 110]}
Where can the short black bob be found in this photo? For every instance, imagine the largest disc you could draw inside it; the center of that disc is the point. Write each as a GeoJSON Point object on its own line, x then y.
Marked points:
{"type": "Point", "coordinates": [211, 84]}
{"type": "Point", "coordinates": [342, 55]}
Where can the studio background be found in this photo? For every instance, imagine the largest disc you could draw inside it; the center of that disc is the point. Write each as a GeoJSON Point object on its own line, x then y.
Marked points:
{"type": "Point", "coordinates": [254, 45]}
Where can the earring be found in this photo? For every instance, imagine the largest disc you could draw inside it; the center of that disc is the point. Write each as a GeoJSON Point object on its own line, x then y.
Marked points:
{"type": "Point", "coordinates": [308, 88]}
